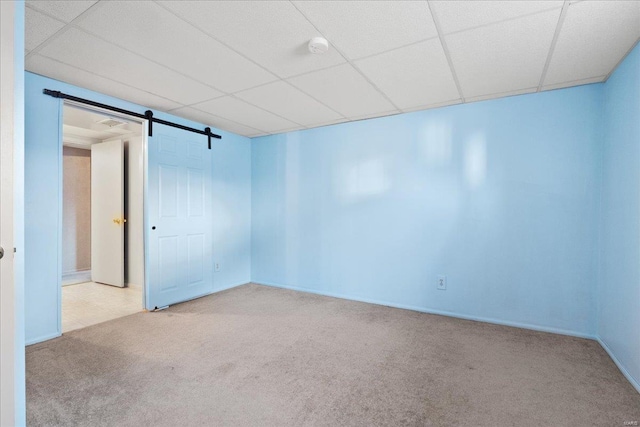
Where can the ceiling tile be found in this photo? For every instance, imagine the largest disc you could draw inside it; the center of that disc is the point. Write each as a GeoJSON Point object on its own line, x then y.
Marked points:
{"type": "Point", "coordinates": [503, 57]}
{"type": "Point", "coordinates": [411, 76]}
{"type": "Point", "coordinates": [286, 101]}
{"type": "Point", "coordinates": [239, 111]}
{"type": "Point", "coordinates": [56, 70]}
{"type": "Point", "coordinates": [214, 121]}
{"type": "Point", "coordinates": [274, 34]}
{"type": "Point", "coordinates": [66, 11]}
{"type": "Point", "coordinates": [84, 51]}
{"type": "Point", "coordinates": [461, 15]}
{"type": "Point", "coordinates": [344, 89]}
{"type": "Point", "coordinates": [363, 28]}
{"type": "Point", "coordinates": [39, 27]}
{"type": "Point", "coordinates": [594, 37]}
{"type": "Point", "coordinates": [157, 34]}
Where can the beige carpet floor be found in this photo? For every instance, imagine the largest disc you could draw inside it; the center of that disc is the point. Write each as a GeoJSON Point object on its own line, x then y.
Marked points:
{"type": "Point", "coordinates": [262, 356]}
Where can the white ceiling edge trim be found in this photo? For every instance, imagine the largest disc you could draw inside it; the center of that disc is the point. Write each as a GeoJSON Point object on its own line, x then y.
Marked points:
{"type": "Point", "coordinates": [613, 70]}
{"type": "Point", "coordinates": [528, 91]}
{"type": "Point", "coordinates": [503, 94]}
{"type": "Point", "coordinates": [78, 140]}
{"type": "Point", "coordinates": [574, 83]}
{"type": "Point", "coordinates": [345, 57]}
{"type": "Point", "coordinates": [432, 106]}
{"type": "Point", "coordinates": [77, 146]}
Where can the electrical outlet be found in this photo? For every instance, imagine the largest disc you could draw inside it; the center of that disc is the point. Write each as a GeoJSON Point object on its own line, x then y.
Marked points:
{"type": "Point", "coordinates": [217, 266]}
{"type": "Point", "coordinates": [442, 283]}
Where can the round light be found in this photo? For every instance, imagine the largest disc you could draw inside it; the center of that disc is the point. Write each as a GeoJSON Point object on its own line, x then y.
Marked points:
{"type": "Point", "coordinates": [318, 45]}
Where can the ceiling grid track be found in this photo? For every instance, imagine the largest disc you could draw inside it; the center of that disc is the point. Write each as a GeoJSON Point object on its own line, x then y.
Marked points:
{"type": "Point", "coordinates": [395, 48]}
{"type": "Point", "coordinates": [563, 14]}
{"type": "Point", "coordinates": [115, 81]}
{"type": "Point", "coordinates": [443, 42]}
{"type": "Point", "coordinates": [256, 106]}
{"type": "Point", "coordinates": [515, 18]}
{"type": "Point", "coordinates": [384, 95]}
{"type": "Point", "coordinates": [61, 31]}
{"type": "Point", "coordinates": [222, 43]}
{"type": "Point", "coordinates": [224, 93]}
{"type": "Point", "coordinates": [151, 60]}
{"type": "Point", "coordinates": [278, 77]}
{"type": "Point", "coordinates": [354, 78]}
{"type": "Point", "coordinates": [312, 97]}
{"type": "Point", "coordinates": [73, 24]}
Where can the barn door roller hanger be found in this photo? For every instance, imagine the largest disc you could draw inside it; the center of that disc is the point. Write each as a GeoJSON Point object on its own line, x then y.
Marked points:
{"type": "Point", "coordinates": [148, 115]}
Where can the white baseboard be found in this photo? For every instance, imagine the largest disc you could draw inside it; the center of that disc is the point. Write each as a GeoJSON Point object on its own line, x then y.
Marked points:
{"type": "Point", "coordinates": [43, 338]}
{"type": "Point", "coordinates": [439, 312]}
{"type": "Point", "coordinates": [624, 371]}
{"type": "Point", "coordinates": [73, 278]}
{"type": "Point", "coordinates": [224, 288]}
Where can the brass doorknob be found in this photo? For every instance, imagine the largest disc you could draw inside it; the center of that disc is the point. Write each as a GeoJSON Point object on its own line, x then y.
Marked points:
{"type": "Point", "coordinates": [119, 221]}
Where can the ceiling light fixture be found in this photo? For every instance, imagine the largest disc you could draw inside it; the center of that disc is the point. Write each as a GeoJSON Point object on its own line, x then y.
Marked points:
{"type": "Point", "coordinates": [318, 45]}
{"type": "Point", "coordinates": [111, 122]}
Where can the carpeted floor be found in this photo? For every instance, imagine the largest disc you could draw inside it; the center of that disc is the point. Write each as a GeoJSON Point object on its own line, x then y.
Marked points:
{"type": "Point", "coordinates": [263, 356]}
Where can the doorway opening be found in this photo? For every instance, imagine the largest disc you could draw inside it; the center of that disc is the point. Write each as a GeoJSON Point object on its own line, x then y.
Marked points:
{"type": "Point", "coordinates": [102, 217]}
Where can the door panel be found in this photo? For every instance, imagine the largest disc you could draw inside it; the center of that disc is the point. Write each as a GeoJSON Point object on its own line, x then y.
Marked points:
{"type": "Point", "coordinates": [107, 211]}
{"type": "Point", "coordinates": [168, 184]}
{"type": "Point", "coordinates": [168, 254]}
{"type": "Point", "coordinates": [196, 252]}
{"type": "Point", "coordinates": [196, 193]}
{"type": "Point", "coordinates": [179, 189]}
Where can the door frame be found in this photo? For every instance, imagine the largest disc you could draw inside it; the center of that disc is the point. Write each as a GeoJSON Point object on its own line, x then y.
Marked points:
{"type": "Point", "coordinates": [145, 216]}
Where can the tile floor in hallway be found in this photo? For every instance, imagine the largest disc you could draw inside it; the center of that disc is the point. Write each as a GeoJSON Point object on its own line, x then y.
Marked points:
{"type": "Point", "coordinates": [86, 304]}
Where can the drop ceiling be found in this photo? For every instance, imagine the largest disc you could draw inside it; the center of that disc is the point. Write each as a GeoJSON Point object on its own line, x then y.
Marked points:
{"type": "Point", "coordinates": [243, 66]}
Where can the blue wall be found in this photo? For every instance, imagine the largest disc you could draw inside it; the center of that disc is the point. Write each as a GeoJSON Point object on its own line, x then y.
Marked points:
{"type": "Point", "coordinates": [231, 178]}
{"type": "Point", "coordinates": [619, 287]}
{"type": "Point", "coordinates": [500, 196]}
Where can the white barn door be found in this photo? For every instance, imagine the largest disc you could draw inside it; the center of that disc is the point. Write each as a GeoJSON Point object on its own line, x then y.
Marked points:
{"type": "Point", "coordinates": [180, 219]}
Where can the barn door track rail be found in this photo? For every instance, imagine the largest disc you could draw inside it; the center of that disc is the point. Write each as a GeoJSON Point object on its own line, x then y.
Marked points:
{"type": "Point", "coordinates": [148, 115]}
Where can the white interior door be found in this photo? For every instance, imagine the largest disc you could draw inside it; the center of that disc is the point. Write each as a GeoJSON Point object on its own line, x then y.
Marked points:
{"type": "Point", "coordinates": [10, 373]}
{"type": "Point", "coordinates": [107, 210]}
{"type": "Point", "coordinates": [180, 219]}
